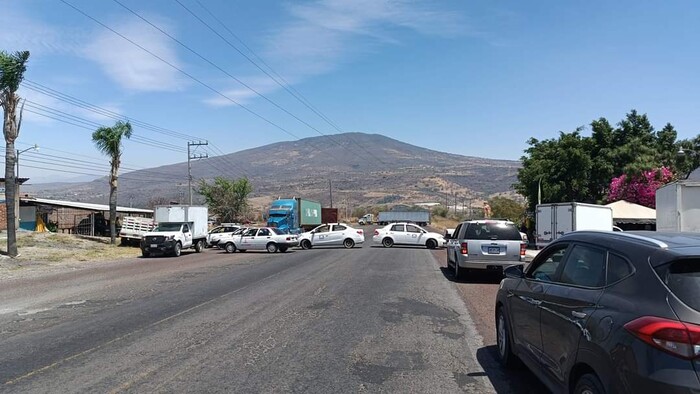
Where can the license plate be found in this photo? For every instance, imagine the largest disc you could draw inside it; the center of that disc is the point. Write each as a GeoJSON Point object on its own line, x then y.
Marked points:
{"type": "Point", "coordinates": [494, 250]}
{"type": "Point", "coordinates": [154, 245]}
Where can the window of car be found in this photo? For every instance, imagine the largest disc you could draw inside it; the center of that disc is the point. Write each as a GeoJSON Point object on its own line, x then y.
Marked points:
{"type": "Point", "coordinates": [545, 266]}
{"type": "Point", "coordinates": [584, 266]}
{"type": "Point", "coordinates": [217, 230]}
{"type": "Point", "coordinates": [493, 231]}
{"type": "Point", "coordinates": [682, 277]}
{"type": "Point", "coordinates": [413, 229]}
{"type": "Point", "coordinates": [339, 227]}
{"type": "Point", "coordinates": [323, 229]}
{"type": "Point", "coordinates": [618, 268]}
{"type": "Point", "coordinates": [398, 227]}
{"type": "Point", "coordinates": [185, 228]}
{"type": "Point", "coordinates": [250, 232]}
{"type": "Point", "coordinates": [263, 232]}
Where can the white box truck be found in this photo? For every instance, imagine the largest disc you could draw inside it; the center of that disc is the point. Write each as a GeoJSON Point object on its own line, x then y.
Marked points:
{"type": "Point", "coordinates": [555, 220]}
{"type": "Point", "coordinates": [678, 207]}
{"type": "Point", "coordinates": [178, 227]}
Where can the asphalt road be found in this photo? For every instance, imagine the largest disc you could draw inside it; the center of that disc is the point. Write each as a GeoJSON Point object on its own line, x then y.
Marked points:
{"type": "Point", "coordinates": [321, 320]}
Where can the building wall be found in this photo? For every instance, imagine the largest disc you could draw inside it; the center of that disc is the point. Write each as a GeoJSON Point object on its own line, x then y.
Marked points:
{"type": "Point", "coordinates": [3, 217]}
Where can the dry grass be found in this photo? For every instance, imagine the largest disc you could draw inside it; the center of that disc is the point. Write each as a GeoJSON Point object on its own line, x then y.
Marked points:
{"type": "Point", "coordinates": [442, 224]}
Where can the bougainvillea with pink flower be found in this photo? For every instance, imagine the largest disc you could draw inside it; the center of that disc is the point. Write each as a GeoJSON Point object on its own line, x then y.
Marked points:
{"type": "Point", "coordinates": [640, 189]}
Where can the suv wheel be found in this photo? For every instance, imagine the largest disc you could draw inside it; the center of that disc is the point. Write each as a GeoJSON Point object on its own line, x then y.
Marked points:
{"type": "Point", "coordinates": [589, 384]}
{"type": "Point", "coordinates": [503, 343]}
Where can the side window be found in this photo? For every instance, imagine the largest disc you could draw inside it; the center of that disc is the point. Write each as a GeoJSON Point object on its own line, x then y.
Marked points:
{"type": "Point", "coordinates": [323, 229]}
{"type": "Point", "coordinates": [263, 232]}
{"type": "Point", "coordinates": [338, 227]}
{"type": "Point", "coordinates": [412, 229]}
{"type": "Point", "coordinates": [618, 269]}
{"type": "Point", "coordinates": [398, 227]}
{"type": "Point", "coordinates": [250, 232]}
{"type": "Point", "coordinates": [545, 266]}
{"type": "Point", "coordinates": [455, 234]}
{"type": "Point", "coordinates": [585, 266]}
{"type": "Point", "coordinates": [185, 228]}
{"type": "Point", "coordinates": [217, 230]}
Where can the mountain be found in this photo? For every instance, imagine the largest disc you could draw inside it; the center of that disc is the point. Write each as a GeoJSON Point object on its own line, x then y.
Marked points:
{"type": "Point", "coordinates": [363, 169]}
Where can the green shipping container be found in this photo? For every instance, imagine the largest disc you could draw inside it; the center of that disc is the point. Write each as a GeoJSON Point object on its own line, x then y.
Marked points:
{"type": "Point", "coordinates": [309, 213]}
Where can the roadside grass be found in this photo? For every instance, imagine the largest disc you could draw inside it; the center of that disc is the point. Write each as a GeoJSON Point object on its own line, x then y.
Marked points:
{"type": "Point", "coordinates": [57, 248]}
{"type": "Point", "coordinates": [441, 223]}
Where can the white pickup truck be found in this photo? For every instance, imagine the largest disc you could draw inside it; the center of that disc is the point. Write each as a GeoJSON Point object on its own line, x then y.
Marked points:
{"type": "Point", "coordinates": [133, 229]}
{"type": "Point", "coordinates": [179, 227]}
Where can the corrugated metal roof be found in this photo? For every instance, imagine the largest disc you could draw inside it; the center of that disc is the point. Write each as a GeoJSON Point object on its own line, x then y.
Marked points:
{"type": "Point", "coordinates": [83, 205]}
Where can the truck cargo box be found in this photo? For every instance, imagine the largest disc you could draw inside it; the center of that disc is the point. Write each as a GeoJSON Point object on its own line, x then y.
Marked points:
{"type": "Point", "coordinates": [555, 220]}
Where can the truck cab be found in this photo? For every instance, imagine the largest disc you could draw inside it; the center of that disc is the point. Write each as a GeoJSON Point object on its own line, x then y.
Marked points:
{"type": "Point", "coordinates": [282, 214]}
{"type": "Point", "coordinates": [366, 219]}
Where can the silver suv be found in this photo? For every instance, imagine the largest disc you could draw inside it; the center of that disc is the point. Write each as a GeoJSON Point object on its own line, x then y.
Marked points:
{"type": "Point", "coordinates": [485, 245]}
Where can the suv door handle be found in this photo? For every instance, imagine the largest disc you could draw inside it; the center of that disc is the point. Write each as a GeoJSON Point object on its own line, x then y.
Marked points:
{"type": "Point", "coordinates": [578, 315]}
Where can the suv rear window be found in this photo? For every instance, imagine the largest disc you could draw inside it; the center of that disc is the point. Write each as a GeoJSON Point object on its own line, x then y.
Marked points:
{"type": "Point", "coordinates": [683, 278]}
{"type": "Point", "coordinates": [492, 231]}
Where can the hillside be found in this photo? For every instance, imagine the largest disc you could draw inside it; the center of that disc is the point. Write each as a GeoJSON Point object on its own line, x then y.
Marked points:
{"type": "Point", "coordinates": [363, 168]}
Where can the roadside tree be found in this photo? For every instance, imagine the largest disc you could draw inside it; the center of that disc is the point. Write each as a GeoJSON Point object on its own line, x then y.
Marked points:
{"type": "Point", "coordinates": [507, 208]}
{"type": "Point", "coordinates": [12, 68]}
{"type": "Point", "coordinates": [109, 141]}
{"type": "Point", "coordinates": [639, 189]}
{"type": "Point", "coordinates": [227, 198]}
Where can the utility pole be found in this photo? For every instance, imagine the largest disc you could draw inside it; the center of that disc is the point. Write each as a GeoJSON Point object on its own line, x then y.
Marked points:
{"type": "Point", "coordinates": [330, 191]}
{"type": "Point", "coordinates": [189, 164]}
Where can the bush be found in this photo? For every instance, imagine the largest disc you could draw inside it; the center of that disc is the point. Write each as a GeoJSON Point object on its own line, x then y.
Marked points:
{"type": "Point", "coordinates": [440, 211]}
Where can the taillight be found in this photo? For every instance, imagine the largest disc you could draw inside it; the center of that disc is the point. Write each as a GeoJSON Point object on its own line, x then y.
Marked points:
{"type": "Point", "coordinates": [522, 249]}
{"type": "Point", "coordinates": [465, 250]}
{"type": "Point", "coordinates": [672, 336]}
{"type": "Point", "coordinates": [359, 232]}
{"type": "Point", "coordinates": [376, 232]}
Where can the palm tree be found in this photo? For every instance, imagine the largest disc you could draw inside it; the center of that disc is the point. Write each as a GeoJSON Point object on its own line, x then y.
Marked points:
{"type": "Point", "coordinates": [12, 68]}
{"type": "Point", "coordinates": [109, 141]}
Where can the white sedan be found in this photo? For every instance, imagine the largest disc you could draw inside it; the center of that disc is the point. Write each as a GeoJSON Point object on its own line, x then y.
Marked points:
{"type": "Point", "coordinates": [332, 234]}
{"type": "Point", "coordinates": [263, 238]}
{"type": "Point", "coordinates": [407, 234]}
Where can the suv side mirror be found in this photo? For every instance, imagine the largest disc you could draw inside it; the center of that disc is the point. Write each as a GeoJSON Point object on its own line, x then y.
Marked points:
{"type": "Point", "coordinates": [514, 272]}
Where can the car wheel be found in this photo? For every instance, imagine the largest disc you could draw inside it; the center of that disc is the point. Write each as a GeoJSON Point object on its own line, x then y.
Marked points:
{"type": "Point", "coordinates": [447, 263]}
{"type": "Point", "coordinates": [230, 247]}
{"type": "Point", "coordinates": [387, 242]}
{"type": "Point", "coordinates": [199, 246]}
{"type": "Point", "coordinates": [177, 250]}
{"type": "Point", "coordinates": [503, 342]}
{"type": "Point", "coordinates": [145, 254]}
{"type": "Point", "coordinates": [271, 247]}
{"type": "Point", "coordinates": [458, 272]}
{"type": "Point", "coordinates": [348, 243]}
{"type": "Point", "coordinates": [283, 249]}
{"type": "Point", "coordinates": [306, 244]}
{"type": "Point", "coordinates": [431, 244]}
{"type": "Point", "coordinates": [589, 384]}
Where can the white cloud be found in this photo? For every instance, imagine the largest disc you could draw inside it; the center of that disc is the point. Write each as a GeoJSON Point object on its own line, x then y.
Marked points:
{"type": "Point", "coordinates": [242, 94]}
{"type": "Point", "coordinates": [131, 67]}
{"type": "Point", "coordinates": [20, 32]}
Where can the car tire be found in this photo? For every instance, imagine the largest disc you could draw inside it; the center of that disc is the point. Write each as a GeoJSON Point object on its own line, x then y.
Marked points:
{"type": "Point", "coordinates": [589, 383]}
{"type": "Point", "coordinates": [387, 242]}
{"type": "Point", "coordinates": [283, 249]}
{"type": "Point", "coordinates": [447, 263]}
{"type": "Point", "coordinates": [230, 247]}
{"type": "Point", "coordinates": [348, 243]}
{"type": "Point", "coordinates": [503, 340]}
{"type": "Point", "coordinates": [431, 244]}
{"type": "Point", "coordinates": [305, 244]}
{"type": "Point", "coordinates": [145, 254]}
{"type": "Point", "coordinates": [177, 250]}
{"type": "Point", "coordinates": [271, 247]}
{"type": "Point", "coordinates": [458, 273]}
{"type": "Point", "coordinates": [199, 246]}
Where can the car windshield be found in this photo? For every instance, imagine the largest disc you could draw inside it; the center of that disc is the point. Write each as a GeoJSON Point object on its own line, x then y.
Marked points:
{"type": "Point", "coordinates": [493, 231]}
{"type": "Point", "coordinates": [162, 227]}
{"type": "Point", "coordinates": [682, 277]}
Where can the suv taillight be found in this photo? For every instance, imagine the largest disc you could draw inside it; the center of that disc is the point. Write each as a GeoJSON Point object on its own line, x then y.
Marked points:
{"type": "Point", "coordinates": [464, 248]}
{"type": "Point", "coordinates": [522, 249]}
{"type": "Point", "coordinates": [672, 336]}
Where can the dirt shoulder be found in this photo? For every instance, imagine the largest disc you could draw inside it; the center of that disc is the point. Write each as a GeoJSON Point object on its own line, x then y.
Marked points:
{"type": "Point", "coordinates": [50, 252]}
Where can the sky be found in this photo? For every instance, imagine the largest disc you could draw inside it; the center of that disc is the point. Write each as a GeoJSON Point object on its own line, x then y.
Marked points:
{"type": "Point", "coordinates": [476, 78]}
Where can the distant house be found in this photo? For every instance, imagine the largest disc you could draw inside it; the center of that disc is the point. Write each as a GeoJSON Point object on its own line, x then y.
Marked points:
{"type": "Point", "coordinates": [631, 216]}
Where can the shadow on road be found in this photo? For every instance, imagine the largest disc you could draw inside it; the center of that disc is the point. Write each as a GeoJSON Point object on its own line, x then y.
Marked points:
{"type": "Point", "coordinates": [482, 277]}
{"type": "Point", "coordinates": [507, 380]}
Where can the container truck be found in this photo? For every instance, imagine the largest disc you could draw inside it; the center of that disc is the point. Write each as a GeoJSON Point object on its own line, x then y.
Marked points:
{"type": "Point", "coordinates": [422, 218]}
{"type": "Point", "coordinates": [678, 207]}
{"type": "Point", "coordinates": [294, 215]}
{"type": "Point", "coordinates": [555, 220]}
{"type": "Point", "coordinates": [178, 227]}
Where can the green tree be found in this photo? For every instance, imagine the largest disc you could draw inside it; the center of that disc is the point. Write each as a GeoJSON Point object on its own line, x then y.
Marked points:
{"type": "Point", "coordinates": [108, 140]}
{"type": "Point", "coordinates": [12, 68]}
{"type": "Point", "coordinates": [227, 198]}
{"type": "Point", "coordinates": [507, 208]}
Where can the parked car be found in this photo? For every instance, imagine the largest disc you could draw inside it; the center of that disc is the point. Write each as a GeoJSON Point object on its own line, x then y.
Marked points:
{"type": "Point", "coordinates": [332, 234]}
{"type": "Point", "coordinates": [606, 312]}
{"type": "Point", "coordinates": [485, 245]}
{"type": "Point", "coordinates": [263, 238]}
{"type": "Point", "coordinates": [407, 234]}
{"type": "Point", "coordinates": [217, 232]}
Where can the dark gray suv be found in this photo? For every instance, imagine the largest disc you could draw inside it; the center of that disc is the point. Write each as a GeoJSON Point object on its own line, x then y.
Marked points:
{"type": "Point", "coordinates": [604, 312]}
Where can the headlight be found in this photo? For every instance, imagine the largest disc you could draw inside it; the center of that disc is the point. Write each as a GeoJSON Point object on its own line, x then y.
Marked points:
{"type": "Point", "coordinates": [170, 238]}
